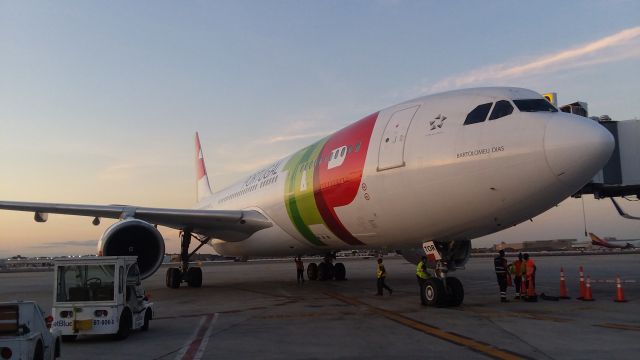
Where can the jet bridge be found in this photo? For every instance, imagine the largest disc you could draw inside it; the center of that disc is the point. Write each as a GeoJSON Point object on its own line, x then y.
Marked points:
{"type": "Point", "coordinates": [620, 177]}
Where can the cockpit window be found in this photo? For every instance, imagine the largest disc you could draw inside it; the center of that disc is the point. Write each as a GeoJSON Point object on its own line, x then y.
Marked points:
{"type": "Point", "coordinates": [479, 114]}
{"type": "Point", "coordinates": [502, 109]}
{"type": "Point", "coordinates": [534, 105]}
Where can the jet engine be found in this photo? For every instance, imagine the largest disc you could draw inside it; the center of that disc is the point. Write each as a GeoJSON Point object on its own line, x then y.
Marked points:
{"type": "Point", "coordinates": [455, 253]}
{"type": "Point", "coordinates": [134, 237]}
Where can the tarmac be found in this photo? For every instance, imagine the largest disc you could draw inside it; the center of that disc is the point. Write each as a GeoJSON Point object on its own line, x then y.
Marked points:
{"type": "Point", "coordinates": [257, 310]}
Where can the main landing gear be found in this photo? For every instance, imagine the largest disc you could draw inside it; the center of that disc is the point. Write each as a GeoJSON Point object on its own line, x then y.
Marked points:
{"type": "Point", "coordinates": [441, 290]}
{"type": "Point", "coordinates": [327, 270]}
{"type": "Point", "coordinates": [191, 275]}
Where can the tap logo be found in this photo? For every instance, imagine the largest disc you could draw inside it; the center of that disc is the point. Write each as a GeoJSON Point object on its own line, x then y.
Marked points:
{"type": "Point", "coordinates": [437, 122]}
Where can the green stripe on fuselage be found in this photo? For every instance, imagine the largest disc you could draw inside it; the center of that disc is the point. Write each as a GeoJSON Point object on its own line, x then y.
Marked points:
{"type": "Point", "coordinates": [298, 196]}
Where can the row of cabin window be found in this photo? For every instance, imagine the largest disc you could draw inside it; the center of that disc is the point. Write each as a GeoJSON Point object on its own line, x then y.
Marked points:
{"type": "Point", "coordinates": [504, 108]}
{"type": "Point", "coordinates": [239, 193]}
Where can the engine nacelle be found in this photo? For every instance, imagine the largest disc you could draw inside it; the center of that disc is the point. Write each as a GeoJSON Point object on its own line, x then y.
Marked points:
{"type": "Point", "coordinates": [455, 253]}
{"type": "Point", "coordinates": [134, 237]}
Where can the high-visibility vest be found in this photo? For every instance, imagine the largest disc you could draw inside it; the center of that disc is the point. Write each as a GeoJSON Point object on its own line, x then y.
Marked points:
{"type": "Point", "coordinates": [518, 267]}
{"type": "Point", "coordinates": [530, 267]}
{"type": "Point", "coordinates": [380, 272]}
{"type": "Point", "coordinates": [420, 270]}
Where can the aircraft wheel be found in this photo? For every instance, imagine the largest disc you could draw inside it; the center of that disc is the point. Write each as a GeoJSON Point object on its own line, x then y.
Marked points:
{"type": "Point", "coordinates": [324, 272]}
{"type": "Point", "coordinates": [340, 271]}
{"type": "Point", "coordinates": [173, 278]}
{"type": "Point", "coordinates": [312, 271]}
{"type": "Point", "coordinates": [194, 277]}
{"type": "Point", "coordinates": [456, 292]}
{"type": "Point", "coordinates": [434, 294]}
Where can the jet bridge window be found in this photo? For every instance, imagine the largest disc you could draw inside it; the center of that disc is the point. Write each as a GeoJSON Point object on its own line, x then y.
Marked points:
{"type": "Point", "coordinates": [502, 109]}
{"type": "Point", "coordinates": [534, 105]}
{"type": "Point", "coordinates": [478, 115]}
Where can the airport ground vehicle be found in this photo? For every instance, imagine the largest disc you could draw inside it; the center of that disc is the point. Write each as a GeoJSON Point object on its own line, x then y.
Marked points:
{"type": "Point", "coordinates": [24, 333]}
{"type": "Point", "coordinates": [99, 295]}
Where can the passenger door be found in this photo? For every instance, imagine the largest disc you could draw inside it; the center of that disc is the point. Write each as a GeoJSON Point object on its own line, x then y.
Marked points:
{"type": "Point", "coordinates": [391, 153]}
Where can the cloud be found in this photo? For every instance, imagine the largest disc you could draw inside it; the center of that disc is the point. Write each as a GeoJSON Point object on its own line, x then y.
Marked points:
{"type": "Point", "coordinates": [620, 46]}
{"type": "Point", "coordinates": [80, 243]}
{"type": "Point", "coordinates": [285, 138]}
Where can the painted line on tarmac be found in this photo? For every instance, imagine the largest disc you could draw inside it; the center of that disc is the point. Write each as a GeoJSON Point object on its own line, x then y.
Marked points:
{"type": "Point", "coordinates": [194, 348]}
{"type": "Point", "coordinates": [620, 326]}
{"type": "Point", "coordinates": [474, 345]}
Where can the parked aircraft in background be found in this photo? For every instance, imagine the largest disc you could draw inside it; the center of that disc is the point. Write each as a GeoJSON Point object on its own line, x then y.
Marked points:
{"type": "Point", "coordinates": [595, 240]}
{"type": "Point", "coordinates": [445, 168]}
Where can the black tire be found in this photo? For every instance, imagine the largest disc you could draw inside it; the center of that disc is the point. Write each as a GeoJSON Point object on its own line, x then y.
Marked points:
{"type": "Point", "coordinates": [340, 271]}
{"type": "Point", "coordinates": [434, 294]}
{"type": "Point", "coordinates": [38, 353]}
{"type": "Point", "coordinates": [147, 318]}
{"type": "Point", "coordinates": [174, 275]}
{"type": "Point", "coordinates": [124, 327]}
{"type": "Point", "coordinates": [456, 292]}
{"type": "Point", "coordinates": [58, 350]}
{"type": "Point", "coordinates": [69, 338]}
{"type": "Point", "coordinates": [312, 271]}
{"type": "Point", "coordinates": [323, 272]}
{"type": "Point", "coordinates": [194, 277]}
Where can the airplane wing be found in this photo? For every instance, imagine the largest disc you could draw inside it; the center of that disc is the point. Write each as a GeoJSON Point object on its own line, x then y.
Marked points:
{"type": "Point", "coordinates": [228, 225]}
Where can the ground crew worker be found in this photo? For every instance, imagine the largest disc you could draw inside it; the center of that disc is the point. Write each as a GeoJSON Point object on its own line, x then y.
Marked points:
{"type": "Point", "coordinates": [530, 273]}
{"type": "Point", "coordinates": [500, 265]}
{"type": "Point", "coordinates": [517, 272]}
{"type": "Point", "coordinates": [381, 273]}
{"type": "Point", "coordinates": [421, 275]}
{"type": "Point", "coordinates": [300, 270]}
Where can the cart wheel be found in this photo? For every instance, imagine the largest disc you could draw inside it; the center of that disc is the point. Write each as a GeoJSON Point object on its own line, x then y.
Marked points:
{"type": "Point", "coordinates": [38, 354]}
{"type": "Point", "coordinates": [124, 327]}
{"type": "Point", "coordinates": [69, 338]}
{"type": "Point", "coordinates": [147, 318]}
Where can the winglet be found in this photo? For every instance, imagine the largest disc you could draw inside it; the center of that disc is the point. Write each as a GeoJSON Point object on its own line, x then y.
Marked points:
{"type": "Point", "coordinates": [203, 189]}
{"type": "Point", "coordinates": [622, 212]}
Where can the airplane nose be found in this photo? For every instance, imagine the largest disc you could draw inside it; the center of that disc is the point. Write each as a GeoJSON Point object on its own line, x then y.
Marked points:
{"type": "Point", "coordinates": [576, 148]}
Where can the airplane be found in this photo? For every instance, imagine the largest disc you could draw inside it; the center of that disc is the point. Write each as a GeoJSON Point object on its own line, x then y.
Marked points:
{"type": "Point", "coordinates": [440, 169]}
{"type": "Point", "coordinates": [595, 240]}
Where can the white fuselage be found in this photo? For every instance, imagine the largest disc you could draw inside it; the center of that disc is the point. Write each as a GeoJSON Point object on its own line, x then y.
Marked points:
{"type": "Point", "coordinates": [414, 172]}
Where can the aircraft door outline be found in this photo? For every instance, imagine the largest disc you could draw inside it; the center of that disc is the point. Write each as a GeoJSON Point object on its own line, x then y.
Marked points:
{"type": "Point", "coordinates": [391, 151]}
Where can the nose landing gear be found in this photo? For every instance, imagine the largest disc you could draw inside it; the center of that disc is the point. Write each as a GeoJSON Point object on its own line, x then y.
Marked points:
{"type": "Point", "coordinates": [441, 290]}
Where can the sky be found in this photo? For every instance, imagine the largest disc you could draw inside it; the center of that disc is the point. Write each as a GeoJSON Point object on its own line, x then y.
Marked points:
{"type": "Point", "coordinates": [99, 100]}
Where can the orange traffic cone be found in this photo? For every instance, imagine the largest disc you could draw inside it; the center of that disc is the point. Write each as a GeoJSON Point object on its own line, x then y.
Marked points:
{"type": "Point", "coordinates": [619, 292]}
{"type": "Point", "coordinates": [563, 286]}
{"type": "Point", "coordinates": [588, 296]}
{"type": "Point", "coordinates": [583, 288]}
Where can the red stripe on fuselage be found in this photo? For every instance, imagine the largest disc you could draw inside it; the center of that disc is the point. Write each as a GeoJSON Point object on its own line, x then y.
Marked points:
{"type": "Point", "coordinates": [338, 177]}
